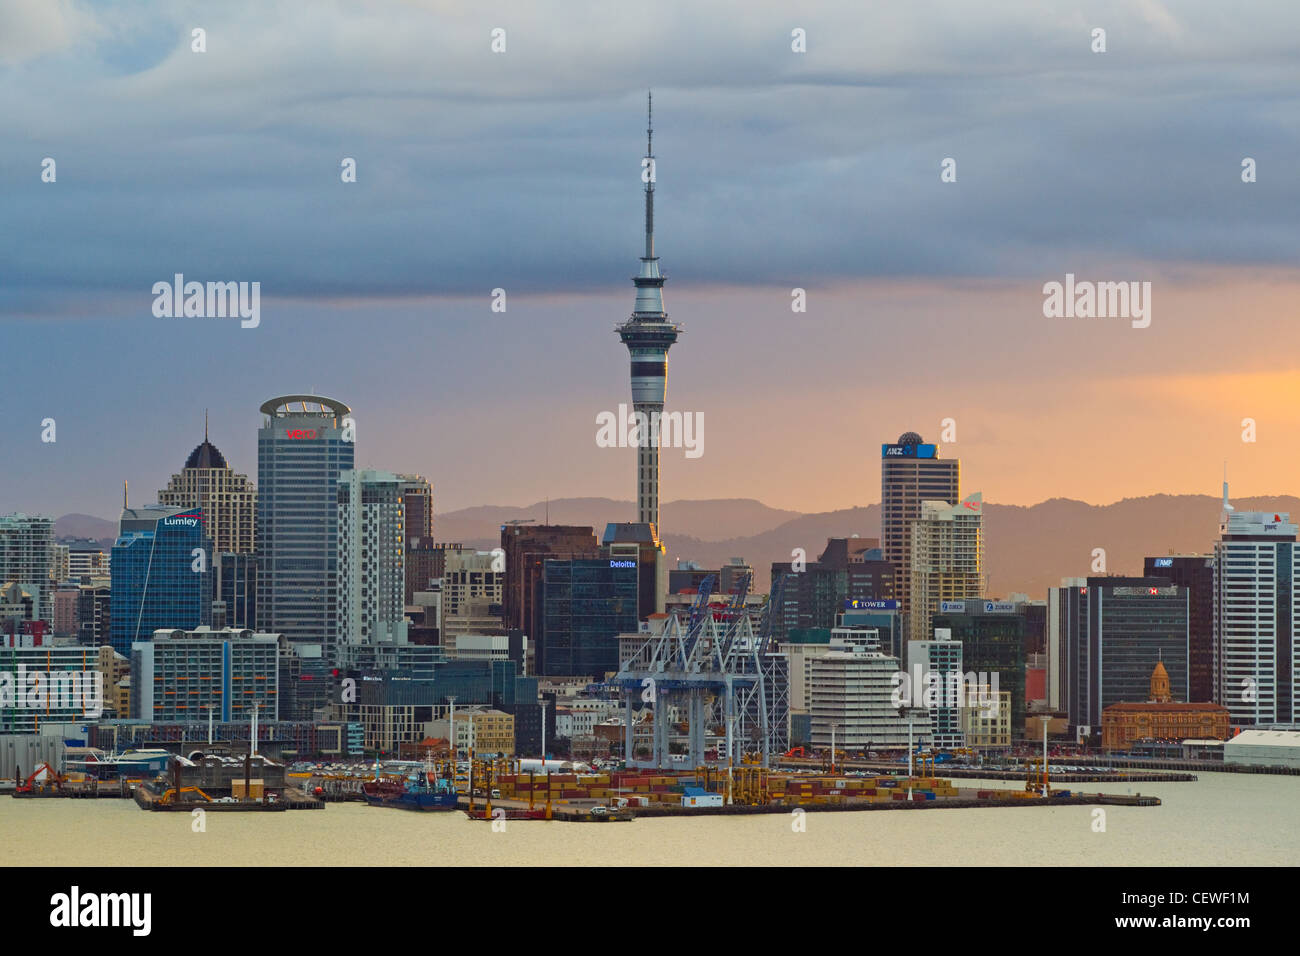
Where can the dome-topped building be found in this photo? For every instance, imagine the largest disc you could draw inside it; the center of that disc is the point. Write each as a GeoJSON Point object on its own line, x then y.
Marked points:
{"type": "Point", "coordinates": [206, 455]}
{"type": "Point", "coordinates": [228, 500]}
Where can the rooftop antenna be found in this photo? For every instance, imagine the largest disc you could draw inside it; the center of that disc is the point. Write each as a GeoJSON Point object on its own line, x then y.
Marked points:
{"type": "Point", "coordinates": [205, 424]}
{"type": "Point", "coordinates": [650, 179]}
{"type": "Point", "coordinates": [1226, 506]}
{"type": "Point", "coordinates": [124, 487]}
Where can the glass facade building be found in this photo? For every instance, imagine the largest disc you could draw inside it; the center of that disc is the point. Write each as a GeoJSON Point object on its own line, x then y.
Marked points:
{"type": "Point", "coordinates": [586, 604]}
{"type": "Point", "coordinates": [155, 584]}
{"type": "Point", "coordinates": [236, 589]}
{"type": "Point", "coordinates": [993, 642]}
{"type": "Point", "coordinates": [303, 444]}
{"type": "Point", "coordinates": [1110, 632]}
{"type": "Point", "coordinates": [1255, 666]}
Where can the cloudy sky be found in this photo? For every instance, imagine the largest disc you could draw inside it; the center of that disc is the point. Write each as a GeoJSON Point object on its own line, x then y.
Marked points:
{"type": "Point", "coordinates": [776, 170]}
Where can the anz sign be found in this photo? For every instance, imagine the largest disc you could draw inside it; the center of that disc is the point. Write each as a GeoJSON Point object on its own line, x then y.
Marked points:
{"type": "Point", "coordinates": [908, 451]}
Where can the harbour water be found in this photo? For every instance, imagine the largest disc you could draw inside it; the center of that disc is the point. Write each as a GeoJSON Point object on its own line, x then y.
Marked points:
{"type": "Point", "coordinates": [1221, 819]}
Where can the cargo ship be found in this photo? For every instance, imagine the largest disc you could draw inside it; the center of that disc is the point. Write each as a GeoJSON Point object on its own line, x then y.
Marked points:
{"type": "Point", "coordinates": [423, 791]}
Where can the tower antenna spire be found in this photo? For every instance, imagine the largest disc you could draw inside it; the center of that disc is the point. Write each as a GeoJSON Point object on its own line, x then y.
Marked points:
{"type": "Point", "coordinates": [205, 424]}
{"type": "Point", "coordinates": [650, 176]}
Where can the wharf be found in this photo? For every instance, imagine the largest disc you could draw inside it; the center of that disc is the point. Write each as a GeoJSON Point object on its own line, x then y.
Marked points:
{"type": "Point", "coordinates": [291, 799]}
{"type": "Point", "coordinates": [581, 812]}
{"type": "Point", "coordinates": [1003, 773]}
{"type": "Point", "coordinates": [941, 803]}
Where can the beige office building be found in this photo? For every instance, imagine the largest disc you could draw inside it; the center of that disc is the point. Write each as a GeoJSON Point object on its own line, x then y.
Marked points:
{"type": "Point", "coordinates": [947, 559]}
{"type": "Point", "coordinates": [228, 500]}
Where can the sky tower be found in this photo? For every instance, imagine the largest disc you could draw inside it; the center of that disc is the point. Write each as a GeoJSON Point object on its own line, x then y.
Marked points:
{"type": "Point", "coordinates": [648, 335]}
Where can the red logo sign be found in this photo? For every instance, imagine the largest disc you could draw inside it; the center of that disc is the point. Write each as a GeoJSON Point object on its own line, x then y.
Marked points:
{"type": "Point", "coordinates": [300, 433]}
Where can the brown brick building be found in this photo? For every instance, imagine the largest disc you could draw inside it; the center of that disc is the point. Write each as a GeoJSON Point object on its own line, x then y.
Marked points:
{"type": "Point", "coordinates": [1161, 718]}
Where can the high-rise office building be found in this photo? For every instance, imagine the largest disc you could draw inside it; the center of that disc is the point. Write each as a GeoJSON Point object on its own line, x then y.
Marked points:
{"type": "Point", "coordinates": [304, 443]}
{"type": "Point", "coordinates": [417, 505]}
{"type": "Point", "coordinates": [586, 604]}
{"type": "Point", "coordinates": [60, 564]}
{"type": "Point", "coordinates": [993, 636]}
{"type": "Point", "coordinates": [372, 557]}
{"type": "Point", "coordinates": [526, 548]}
{"type": "Point", "coordinates": [849, 570]}
{"type": "Point", "coordinates": [648, 335]}
{"type": "Point", "coordinates": [911, 472]}
{"type": "Point", "coordinates": [161, 574]}
{"type": "Point", "coordinates": [26, 554]}
{"type": "Point", "coordinates": [425, 567]}
{"type": "Point", "coordinates": [1105, 635]}
{"type": "Point", "coordinates": [935, 667]}
{"type": "Point", "coordinates": [636, 542]}
{"type": "Point", "coordinates": [228, 500]}
{"type": "Point", "coordinates": [472, 583]}
{"type": "Point", "coordinates": [94, 613]}
{"type": "Point", "coordinates": [947, 559]}
{"type": "Point", "coordinates": [1256, 666]}
{"type": "Point", "coordinates": [86, 559]}
{"type": "Point", "coordinates": [1195, 573]}
{"type": "Point", "coordinates": [235, 588]}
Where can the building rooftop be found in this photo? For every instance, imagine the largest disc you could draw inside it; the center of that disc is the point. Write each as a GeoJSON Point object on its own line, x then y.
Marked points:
{"type": "Point", "coordinates": [1267, 738]}
{"type": "Point", "coordinates": [624, 532]}
{"type": "Point", "coordinates": [206, 455]}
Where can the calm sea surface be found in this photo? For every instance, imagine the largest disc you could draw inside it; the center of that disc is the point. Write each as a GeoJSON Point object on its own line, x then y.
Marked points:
{"type": "Point", "coordinates": [1228, 819]}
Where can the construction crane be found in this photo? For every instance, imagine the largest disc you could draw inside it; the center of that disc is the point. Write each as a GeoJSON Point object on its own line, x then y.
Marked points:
{"type": "Point", "coordinates": [31, 784]}
{"type": "Point", "coordinates": [171, 794]}
{"type": "Point", "coordinates": [717, 671]}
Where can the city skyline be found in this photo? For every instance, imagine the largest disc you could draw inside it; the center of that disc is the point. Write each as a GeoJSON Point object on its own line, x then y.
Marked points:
{"type": "Point", "coordinates": [924, 298]}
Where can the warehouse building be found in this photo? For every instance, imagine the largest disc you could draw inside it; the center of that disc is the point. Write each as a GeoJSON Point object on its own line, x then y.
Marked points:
{"type": "Point", "coordinates": [1263, 748]}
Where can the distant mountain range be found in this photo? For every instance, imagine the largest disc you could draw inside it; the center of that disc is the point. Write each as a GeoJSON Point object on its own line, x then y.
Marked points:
{"type": "Point", "coordinates": [86, 526]}
{"type": "Point", "coordinates": [1029, 548]}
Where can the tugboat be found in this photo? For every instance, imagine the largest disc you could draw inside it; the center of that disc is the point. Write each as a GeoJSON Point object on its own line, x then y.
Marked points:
{"type": "Point", "coordinates": [421, 791]}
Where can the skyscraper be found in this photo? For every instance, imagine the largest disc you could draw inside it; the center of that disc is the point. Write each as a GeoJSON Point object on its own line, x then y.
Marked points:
{"type": "Point", "coordinates": [1195, 573]}
{"type": "Point", "coordinates": [1106, 634]}
{"type": "Point", "coordinates": [648, 335]}
{"type": "Point", "coordinates": [849, 570]}
{"type": "Point", "coordinates": [525, 549]}
{"type": "Point", "coordinates": [947, 559]}
{"type": "Point", "coordinates": [26, 548]}
{"type": "Point", "coordinates": [304, 443]}
{"type": "Point", "coordinates": [1256, 562]}
{"type": "Point", "coordinates": [372, 553]}
{"type": "Point", "coordinates": [417, 502]}
{"type": "Point", "coordinates": [586, 603]}
{"type": "Point", "coordinates": [911, 471]}
{"type": "Point", "coordinates": [228, 500]}
{"type": "Point", "coordinates": [157, 579]}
